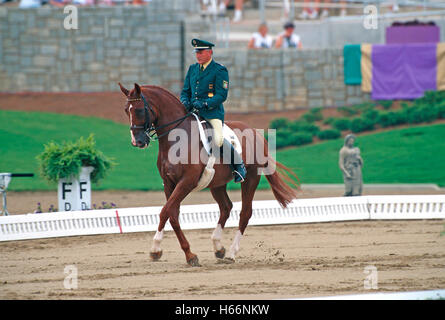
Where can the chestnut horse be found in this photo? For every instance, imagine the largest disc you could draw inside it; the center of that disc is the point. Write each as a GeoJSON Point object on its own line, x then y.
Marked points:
{"type": "Point", "coordinates": [153, 110]}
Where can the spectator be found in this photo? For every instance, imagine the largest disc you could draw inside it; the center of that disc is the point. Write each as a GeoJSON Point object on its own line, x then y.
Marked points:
{"type": "Point", "coordinates": [312, 13]}
{"type": "Point", "coordinates": [238, 9]}
{"type": "Point", "coordinates": [308, 12]}
{"type": "Point", "coordinates": [261, 39]}
{"type": "Point", "coordinates": [24, 4]}
{"type": "Point", "coordinates": [59, 3]}
{"type": "Point", "coordinates": [288, 39]}
{"type": "Point", "coordinates": [83, 2]}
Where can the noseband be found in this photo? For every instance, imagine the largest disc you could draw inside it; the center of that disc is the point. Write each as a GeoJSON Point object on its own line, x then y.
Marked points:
{"type": "Point", "coordinates": [148, 126]}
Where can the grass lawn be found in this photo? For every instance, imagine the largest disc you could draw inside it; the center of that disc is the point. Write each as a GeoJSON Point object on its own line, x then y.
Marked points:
{"type": "Point", "coordinates": [411, 155]}
{"type": "Point", "coordinates": [23, 134]}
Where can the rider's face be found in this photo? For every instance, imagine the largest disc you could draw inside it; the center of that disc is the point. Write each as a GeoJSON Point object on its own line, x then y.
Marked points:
{"type": "Point", "coordinates": [203, 56]}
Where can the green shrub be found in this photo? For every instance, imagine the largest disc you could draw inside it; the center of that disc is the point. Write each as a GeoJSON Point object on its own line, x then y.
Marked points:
{"type": "Point", "coordinates": [303, 126]}
{"type": "Point", "coordinates": [419, 113]}
{"type": "Point", "coordinates": [441, 110]}
{"type": "Point", "coordinates": [65, 160]}
{"type": "Point", "coordinates": [300, 138]}
{"type": "Point", "coordinates": [285, 138]}
{"type": "Point", "coordinates": [313, 115]}
{"type": "Point", "coordinates": [282, 142]}
{"type": "Point", "coordinates": [371, 115]}
{"type": "Point", "coordinates": [341, 124]}
{"type": "Point", "coordinates": [386, 104]}
{"type": "Point", "coordinates": [348, 111]}
{"type": "Point", "coordinates": [329, 134]}
{"type": "Point", "coordinates": [361, 124]}
{"type": "Point", "coordinates": [391, 118]}
{"type": "Point", "coordinates": [432, 98]}
{"type": "Point", "coordinates": [279, 123]}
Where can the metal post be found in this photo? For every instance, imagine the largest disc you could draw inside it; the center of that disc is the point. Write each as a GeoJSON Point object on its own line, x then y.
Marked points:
{"type": "Point", "coordinates": [5, 178]}
{"type": "Point", "coordinates": [4, 211]}
{"type": "Point", "coordinates": [262, 11]}
{"type": "Point", "coordinates": [292, 11]}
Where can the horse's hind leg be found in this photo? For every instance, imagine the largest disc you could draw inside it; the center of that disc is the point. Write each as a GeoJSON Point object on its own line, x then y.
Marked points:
{"type": "Point", "coordinates": [225, 206]}
{"type": "Point", "coordinates": [248, 188]}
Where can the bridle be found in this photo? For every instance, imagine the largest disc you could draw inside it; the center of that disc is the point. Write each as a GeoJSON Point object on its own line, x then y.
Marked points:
{"type": "Point", "coordinates": [148, 126]}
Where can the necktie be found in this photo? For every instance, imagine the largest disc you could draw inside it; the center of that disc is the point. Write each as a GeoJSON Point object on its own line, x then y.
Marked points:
{"type": "Point", "coordinates": [202, 67]}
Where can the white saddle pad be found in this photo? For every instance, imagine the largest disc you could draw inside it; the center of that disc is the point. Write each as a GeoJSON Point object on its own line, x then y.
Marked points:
{"type": "Point", "coordinates": [228, 134]}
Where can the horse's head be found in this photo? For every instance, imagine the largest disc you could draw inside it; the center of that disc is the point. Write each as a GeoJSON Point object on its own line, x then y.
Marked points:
{"type": "Point", "coordinates": [140, 115]}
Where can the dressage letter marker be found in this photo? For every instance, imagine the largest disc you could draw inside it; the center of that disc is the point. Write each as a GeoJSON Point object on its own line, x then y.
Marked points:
{"type": "Point", "coordinates": [75, 193]}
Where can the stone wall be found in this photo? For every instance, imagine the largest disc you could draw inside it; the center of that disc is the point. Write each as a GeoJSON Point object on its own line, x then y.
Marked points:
{"type": "Point", "coordinates": [266, 80]}
{"type": "Point", "coordinates": [151, 45]}
{"type": "Point", "coordinates": [127, 44]}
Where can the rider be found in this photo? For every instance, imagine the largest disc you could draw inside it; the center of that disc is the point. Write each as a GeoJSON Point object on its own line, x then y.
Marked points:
{"type": "Point", "coordinates": [205, 89]}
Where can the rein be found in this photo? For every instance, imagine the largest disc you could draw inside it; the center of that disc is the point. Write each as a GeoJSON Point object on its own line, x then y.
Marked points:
{"type": "Point", "coordinates": [149, 128]}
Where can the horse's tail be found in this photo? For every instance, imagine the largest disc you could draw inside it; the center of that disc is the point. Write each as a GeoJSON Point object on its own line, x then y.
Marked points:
{"type": "Point", "coordinates": [277, 180]}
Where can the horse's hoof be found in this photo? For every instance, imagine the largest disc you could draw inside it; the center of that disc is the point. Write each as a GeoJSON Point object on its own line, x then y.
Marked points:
{"type": "Point", "coordinates": [155, 256]}
{"type": "Point", "coordinates": [228, 260]}
{"type": "Point", "coordinates": [220, 253]}
{"type": "Point", "coordinates": [194, 261]}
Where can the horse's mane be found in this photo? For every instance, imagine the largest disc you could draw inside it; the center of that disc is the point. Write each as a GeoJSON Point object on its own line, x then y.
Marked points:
{"type": "Point", "coordinates": [163, 90]}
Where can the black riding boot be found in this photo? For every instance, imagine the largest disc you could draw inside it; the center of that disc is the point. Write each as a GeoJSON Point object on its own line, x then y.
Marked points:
{"type": "Point", "coordinates": [235, 161]}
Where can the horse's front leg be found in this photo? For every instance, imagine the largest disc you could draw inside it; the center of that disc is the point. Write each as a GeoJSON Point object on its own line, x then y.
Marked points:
{"type": "Point", "coordinates": [156, 251]}
{"type": "Point", "coordinates": [171, 210]}
{"type": "Point", "coordinates": [225, 206]}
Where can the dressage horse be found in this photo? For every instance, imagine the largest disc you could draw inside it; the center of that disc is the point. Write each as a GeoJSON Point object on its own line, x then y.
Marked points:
{"type": "Point", "coordinates": [154, 113]}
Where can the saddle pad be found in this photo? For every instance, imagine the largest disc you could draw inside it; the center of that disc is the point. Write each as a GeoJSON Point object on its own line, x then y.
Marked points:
{"type": "Point", "coordinates": [228, 134]}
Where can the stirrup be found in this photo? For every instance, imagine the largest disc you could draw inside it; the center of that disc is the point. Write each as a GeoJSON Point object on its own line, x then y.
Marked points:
{"type": "Point", "coordinates": [238, 177]}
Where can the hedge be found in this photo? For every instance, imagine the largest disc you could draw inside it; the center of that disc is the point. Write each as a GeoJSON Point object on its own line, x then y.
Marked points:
{"type": "Point", "coordinates": [329, 134]}
{"type": "Point", "coordinates": [341, 124]}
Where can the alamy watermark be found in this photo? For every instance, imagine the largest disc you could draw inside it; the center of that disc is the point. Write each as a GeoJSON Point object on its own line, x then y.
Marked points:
{"type": "Point", "coordinates": [371, 17]}
{"type": "Point", "coordinates": [371, 279]}
{"type": "Point", "coordinates": [71, 21]}
{"type": "Point", "coordinates": [70, 282]}
{"type": "Point", "coordinates": [185, 148]}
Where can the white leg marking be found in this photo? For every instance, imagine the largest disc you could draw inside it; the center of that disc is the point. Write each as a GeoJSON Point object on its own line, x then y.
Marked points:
{"type": "Point", "coordinates": [234, 248]}
{"type": "Point", "coordinates": [216, 238]}
{"type": "Point", "coordinates": [157, 241]}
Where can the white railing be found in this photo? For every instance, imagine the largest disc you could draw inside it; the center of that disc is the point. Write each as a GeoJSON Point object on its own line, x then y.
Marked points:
{"type": "Point", "coordinates": [75, 223]}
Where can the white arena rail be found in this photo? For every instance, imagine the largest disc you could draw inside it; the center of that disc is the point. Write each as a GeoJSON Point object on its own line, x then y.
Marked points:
{"type": "Point", "coordinates": [205, 216]}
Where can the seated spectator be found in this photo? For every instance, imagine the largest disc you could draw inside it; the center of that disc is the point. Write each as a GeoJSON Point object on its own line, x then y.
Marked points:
{"type": "Point", "coordinates": [59, 3]}
{"type": "Point", "coordinates": [288, 39]}
{"type": "Point", "coordinates": [261, 39]}
{"type": "Point", "coordinates": [312, 13]}
{"type": "Point", "coordinates": [83, 2]}
{"type": "Point", "coordinates": [238, 16]}
{"type": "Point", "coordinates": [24, 4]}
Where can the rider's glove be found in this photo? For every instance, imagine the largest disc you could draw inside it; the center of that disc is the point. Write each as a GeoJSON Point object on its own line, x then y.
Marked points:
{"type": "Point", "coordinates": [198, 104]}
{"type": "Point", "coordinates": [186, 104]}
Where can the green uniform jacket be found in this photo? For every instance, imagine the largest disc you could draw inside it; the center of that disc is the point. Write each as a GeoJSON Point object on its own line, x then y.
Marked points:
{"type": "Point", "coordinates": [210, 85]}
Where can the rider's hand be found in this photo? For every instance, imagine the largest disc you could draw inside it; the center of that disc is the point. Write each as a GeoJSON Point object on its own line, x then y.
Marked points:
{"type": "Point", "coordinates": [186, 104]}
{"type": "Point", "coordinates": [198, 104]}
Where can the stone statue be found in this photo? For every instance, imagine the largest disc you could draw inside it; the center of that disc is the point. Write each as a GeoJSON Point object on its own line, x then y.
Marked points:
{"type": "Point", "coordinates": [351, 164]}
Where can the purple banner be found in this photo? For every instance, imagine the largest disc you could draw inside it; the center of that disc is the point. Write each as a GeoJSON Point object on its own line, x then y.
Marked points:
{"type": "Point", "coordinates": [412, 34]}
{"type": "Point", "coordinates": [403, 71]}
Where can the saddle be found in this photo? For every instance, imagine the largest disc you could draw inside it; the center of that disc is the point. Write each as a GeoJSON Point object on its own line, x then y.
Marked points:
{"type": "Point", "coordinates": [228, 134]}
